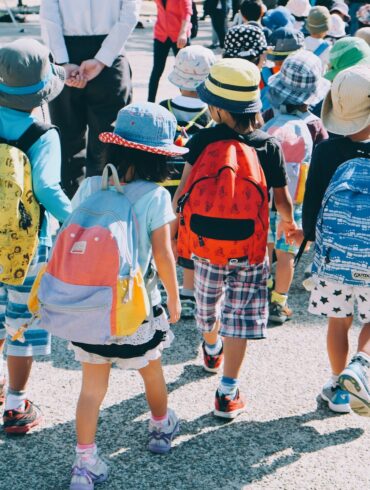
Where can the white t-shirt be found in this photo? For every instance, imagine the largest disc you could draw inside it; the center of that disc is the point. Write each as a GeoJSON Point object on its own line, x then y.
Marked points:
{"type": "Point", "coordinates": [312, 44]}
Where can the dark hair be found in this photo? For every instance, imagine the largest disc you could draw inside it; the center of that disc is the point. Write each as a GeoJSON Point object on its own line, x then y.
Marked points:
{"type": "Point", "coordinates": [253, 59]}
{"type": "Point", "coordinates": [290, 108]}
{"type": "Point", "coordinates": [148, 166]}
{"type": "Point", "coordinates": [248, 122]}
{"type": "Point", "coordinates": [251, 9]}
{"type": "Point", "coordinates": [325, 3]}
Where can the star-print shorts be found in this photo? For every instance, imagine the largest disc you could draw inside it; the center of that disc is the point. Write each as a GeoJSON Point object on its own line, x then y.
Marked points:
{"type": "Point", "coordinates": [337, 300]}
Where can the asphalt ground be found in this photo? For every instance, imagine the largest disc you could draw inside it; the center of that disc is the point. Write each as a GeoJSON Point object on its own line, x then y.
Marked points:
{"type": "Point", "coordinates": [287, 439]}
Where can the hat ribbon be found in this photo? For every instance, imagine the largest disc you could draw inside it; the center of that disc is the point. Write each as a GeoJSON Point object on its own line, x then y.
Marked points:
{"type": "Point", "coordinates": [29, 89]}
{"type": "Point", "coordinates": [236, 88]}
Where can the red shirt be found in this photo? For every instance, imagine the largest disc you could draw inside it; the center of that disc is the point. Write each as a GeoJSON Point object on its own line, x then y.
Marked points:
{"type": "Point", "coordinates": [170, 18]}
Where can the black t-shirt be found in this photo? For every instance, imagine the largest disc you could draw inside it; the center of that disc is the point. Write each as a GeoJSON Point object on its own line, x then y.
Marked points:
{"type": "Point", "coordinates": [326, 158]}
{"type": "Point", "coordinates": [268, 150]}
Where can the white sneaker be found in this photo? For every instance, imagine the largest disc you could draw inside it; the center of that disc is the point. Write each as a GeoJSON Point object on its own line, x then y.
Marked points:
{"type": "Point", "coordinates": [160, 436]}
{"type": "Point", "coordinates": [86, 474]}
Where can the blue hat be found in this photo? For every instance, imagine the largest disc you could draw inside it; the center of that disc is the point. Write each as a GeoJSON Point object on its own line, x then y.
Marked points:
{"type": "Point", "coordinates": [279, 17]}
{"type": "Point", "coordinates": [145, 126]}
{"type": "Point", "coordinates": [283, 42]}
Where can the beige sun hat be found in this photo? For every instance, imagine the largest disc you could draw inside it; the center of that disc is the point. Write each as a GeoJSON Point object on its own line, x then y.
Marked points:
{"type": "Point", "coordinates": [346, 108]}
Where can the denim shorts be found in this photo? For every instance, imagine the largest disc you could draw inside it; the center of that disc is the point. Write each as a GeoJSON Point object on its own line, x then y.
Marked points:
{"type": "Point", "coordinates": [14, 313]}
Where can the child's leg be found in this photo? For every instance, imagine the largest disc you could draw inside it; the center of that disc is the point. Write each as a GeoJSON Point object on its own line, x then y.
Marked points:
{"type": "Point", "coordinates": [337, 343]}
{"type": "Point", "coordinates": [284, 272]}
{"type": "Point", "coordinates": [188, 280]}
{"type": "Point", "coordinates": [187, 294]}
{"type": "Point", "coordinates": [95, 378]}
{"type": "Point", "coordinates": [234, 353]}
{"type": "Point", "coordinates": [364, 339]}
{"type": "Point", "coordinates": [164, 424]}
{"type": "Point", "coordinates": [155, 388]}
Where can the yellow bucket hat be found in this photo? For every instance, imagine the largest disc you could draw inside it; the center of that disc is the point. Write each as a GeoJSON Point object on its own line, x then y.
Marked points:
{"type": "Point", "coordinates": [232, 85]}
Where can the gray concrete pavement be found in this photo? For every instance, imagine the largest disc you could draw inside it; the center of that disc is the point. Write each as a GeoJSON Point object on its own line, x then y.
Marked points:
{"type": "Point", "coordinates": [287, 439]}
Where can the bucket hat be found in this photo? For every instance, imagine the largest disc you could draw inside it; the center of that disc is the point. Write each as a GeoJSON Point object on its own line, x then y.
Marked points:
{"type": "Point", "coordinates": [364, 33]}
{"type": "Point", "coordinates": [192, 65]}
{"type": "Point", "coordinates": [283, 42]}
{"type": "Point", "coordinates": [233, 85]}
{"type": "Point", "coordinates": [299, 8]}
{"type": "Point", "coordinates": [279, 17]}
{"type": "Point", "coordinates": [27, 78]}
{"type": "Point", "coordinates": [363, 14]}
{"type": "Point", "coordinates": [345, 53]}
{"type": "Point", "coordinates": [245, 41]}
{"type": "Point", "coordinates": [318, 20]}
{"type": "Point", "coordinates": [338, 27]}
{"type": "Point", "coordinates": [346, 108]}
{"type": "Point", "coordinates": [342, 8]}
{"type": "Point", "coordinates": [299, 81]}
{"type": "Point", "coordinates": [147, 127]}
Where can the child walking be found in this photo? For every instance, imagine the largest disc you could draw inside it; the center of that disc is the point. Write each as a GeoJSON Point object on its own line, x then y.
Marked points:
{"type": "Point", "coordinates": [231, 298]}
{"type": "Point", "coordinates": [192, 65]}
{"type": "Point", "coordinates": [28, 80]}
{"type": "Point", "coordinates": [139, 147]}
{"type": "Point", "coordinates": [341, 263]}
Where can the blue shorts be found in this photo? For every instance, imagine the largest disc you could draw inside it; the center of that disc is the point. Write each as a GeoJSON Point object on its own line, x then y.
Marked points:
{"type": "Point", "coordinates": [14, 313]}
{"type": "Point", "coordinates": [281, 244]}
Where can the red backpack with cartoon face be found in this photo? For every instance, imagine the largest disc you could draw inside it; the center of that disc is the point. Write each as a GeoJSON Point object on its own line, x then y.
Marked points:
{"type": "Point", "coordinates": [224, 207]}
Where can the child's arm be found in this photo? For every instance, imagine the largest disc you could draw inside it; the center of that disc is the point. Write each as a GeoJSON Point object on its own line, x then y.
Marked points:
{"type": "Point", "coordinates": [45, 158]}
{"type": "Point", "coordinates": [284, 206]}
{"type": "Point", "coordinates": [165, 262]}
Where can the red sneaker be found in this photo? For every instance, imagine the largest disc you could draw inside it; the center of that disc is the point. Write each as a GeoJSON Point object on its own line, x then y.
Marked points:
{"type": "Point", "coordinates": [229, 408]}
{"type": "Point", "coordinates": [212, 364]}
{"type": "Point", "coordinates": [21, 421]}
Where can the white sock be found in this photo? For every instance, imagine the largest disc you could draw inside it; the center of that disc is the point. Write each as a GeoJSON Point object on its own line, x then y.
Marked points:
{"type": "Point", "coordinates": [215, 349]}
{"type": "Point", "coordinates": [334, 379]}
{"type": "Point", "coordinates": [187, 292]}
{"type": "Point", "coordinates": [2, 368]}
{"type": "Point", "coordinates": [15, 400]}
{"type": "Point", "coordinates": [87, 454]}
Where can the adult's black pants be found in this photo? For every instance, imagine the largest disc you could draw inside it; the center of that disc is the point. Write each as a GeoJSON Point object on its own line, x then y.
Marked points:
{"type": "Point", "coordinates": [161, 51]}
{"type": "Point", "coordinates": [81, 114]}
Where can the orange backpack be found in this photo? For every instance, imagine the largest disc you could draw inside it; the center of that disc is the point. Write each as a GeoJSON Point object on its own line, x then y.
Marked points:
{"type": "Point", "coordinates": [224, 207]}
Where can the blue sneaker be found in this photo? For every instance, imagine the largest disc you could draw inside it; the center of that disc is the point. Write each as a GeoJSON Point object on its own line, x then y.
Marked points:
{"type": "Point", "coordinates": [354, 380]}
{"type": "Point", "coordinates": [338, 399]}
{"type": "Point", "coordinates": [160, 436]}
{"type": "Point", "coordinates": [86, 475]}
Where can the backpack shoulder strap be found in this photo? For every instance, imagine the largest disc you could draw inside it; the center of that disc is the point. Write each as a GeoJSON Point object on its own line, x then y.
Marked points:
{"type": "Point", "coordinates": [321, 48]}
{"type": "Point", "coordinates": [32, 134]}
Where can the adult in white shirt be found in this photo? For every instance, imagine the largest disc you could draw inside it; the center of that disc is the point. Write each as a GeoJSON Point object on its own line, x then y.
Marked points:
{"type": "Point", "coordinates": [88, 39]}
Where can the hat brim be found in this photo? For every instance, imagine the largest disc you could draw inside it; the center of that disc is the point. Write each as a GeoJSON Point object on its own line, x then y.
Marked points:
{"type": "Point", "coordinates": [279, 93]}
{"type": "Point", "coordinates": [233, 106]}
{"type": "Point", "coordinates": [333, 72]}
{"type": "Point", "coordinates": [29, 101]}
{"type": "Point", "coordinates": [184, 83]}
{"type": "Point", "coordinates": [338, 125]}
{"type": "Point", "coordinates": [168, 150]}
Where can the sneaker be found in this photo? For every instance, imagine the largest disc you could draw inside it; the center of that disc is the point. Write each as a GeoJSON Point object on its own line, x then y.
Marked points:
{"type": "Point", "coordinates": [85, 475]}
{"type": "Point", "coordinates": [227, 407]}
{"type": "Point", "coordinates": [213, 363]}
{"type": "Point", "coordinates": [188, 306]}
{"type": "Point", "coordinates": [2, 392]}
{"type": "Point", "coordinates": [160, 437]}
{"type": "Point", "coordinates": [279, 313]}
{"type": "Point", "coordinates": [353, 379]}
{"type": "Point", "coordinates": [21, 421]}
{"type": "Point", "coordinates": [338, 399]}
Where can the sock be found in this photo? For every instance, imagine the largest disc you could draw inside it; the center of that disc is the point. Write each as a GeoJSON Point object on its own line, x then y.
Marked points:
{"type": "Point", "coordinates": [270, 282]}
{"type": "Point", "coordinates": [364, 356]}
{"type": "Point", "coordinates": [87, 453]}
{"type": "Point", "coordinates": [187, 292]}
{"type": "Point", "coordinates": [2, 368]}
{"type": "Point", "coordinates": [334, 379]}
{"type": "Point", "coordinates": [15, 400]}
{"type": "Point", "coordinates": [214, 349]}
{"type": "Point", "coordinates": [279, 298]}
{"type": "Point", "coordinates": [228, 386]}
{"type": "Point", "coordinates": [160, 420]}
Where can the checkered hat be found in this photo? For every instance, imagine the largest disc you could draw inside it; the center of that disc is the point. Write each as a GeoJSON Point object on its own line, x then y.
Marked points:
{"type": "Point", "coordinates": [299, 81]}
{"type": "Point", "coordinates": [245, 41]}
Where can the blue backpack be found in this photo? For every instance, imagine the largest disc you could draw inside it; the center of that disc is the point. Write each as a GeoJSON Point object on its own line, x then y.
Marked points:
{"type": "Point", "coordinates": [342, 248]}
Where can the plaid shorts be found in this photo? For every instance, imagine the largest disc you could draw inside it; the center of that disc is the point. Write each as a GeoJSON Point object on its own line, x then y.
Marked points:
{"type": "Point", "coordinates": [14, 313]}
{"type": "Point", "coordinates": [234, 294]}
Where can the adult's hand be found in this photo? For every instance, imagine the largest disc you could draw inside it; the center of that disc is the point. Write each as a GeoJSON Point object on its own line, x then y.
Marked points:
{"type": "Point", "coordinates": [182, 41]}
{"type": "Point", "coordinates": [90, 69]}
{"type": "Point", "coordinates": [73, 76]}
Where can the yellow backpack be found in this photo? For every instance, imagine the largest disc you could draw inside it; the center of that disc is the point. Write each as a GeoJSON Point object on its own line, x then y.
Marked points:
{"type": "Point", "coordinates": [19, 210]}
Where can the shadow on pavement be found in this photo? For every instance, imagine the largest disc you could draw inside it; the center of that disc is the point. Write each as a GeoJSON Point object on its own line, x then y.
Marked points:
{"type": "Point", "coordinates": [231, 454]}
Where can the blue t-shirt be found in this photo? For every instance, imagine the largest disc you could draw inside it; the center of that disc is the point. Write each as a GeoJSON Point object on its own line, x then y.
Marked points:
{"type": "Point", "coordinates": [45, 160]}
{"type": "Point", "coordinates": [152, 210]}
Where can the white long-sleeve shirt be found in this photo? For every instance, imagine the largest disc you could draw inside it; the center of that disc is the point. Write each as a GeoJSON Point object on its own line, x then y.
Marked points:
{"type": "Point", "coordinates": [114, 18]}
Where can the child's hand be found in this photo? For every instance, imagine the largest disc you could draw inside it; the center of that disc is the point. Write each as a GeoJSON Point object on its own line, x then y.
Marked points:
{"type": "Point", "coordinates": [174, 309]}
{"type": "Point", "coordinates": [288, 229]}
